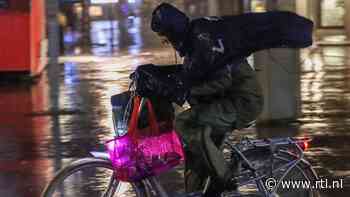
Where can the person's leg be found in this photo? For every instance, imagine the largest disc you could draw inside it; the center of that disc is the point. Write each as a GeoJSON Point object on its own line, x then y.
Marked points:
{"type": "Point", "coordinates": [195, 173]}
{"type": "Point", "coordinates": [195, 169]}
{"type": "Point", "coordinates": [221, 120]}
{"type": "Point", "coordinates": [200, 163]}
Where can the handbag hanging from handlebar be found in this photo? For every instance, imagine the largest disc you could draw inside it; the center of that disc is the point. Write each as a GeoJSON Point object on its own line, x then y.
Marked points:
{"type": "Point", "coordinates": [145, 152]}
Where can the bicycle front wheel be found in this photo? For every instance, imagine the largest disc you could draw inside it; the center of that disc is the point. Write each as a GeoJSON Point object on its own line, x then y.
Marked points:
{"type": "Point", "coordinates": [90, 177]}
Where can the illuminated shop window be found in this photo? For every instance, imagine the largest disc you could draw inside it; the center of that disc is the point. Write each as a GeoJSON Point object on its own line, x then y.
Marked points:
{"type": "Point", "coordinates": [332, 13]}
{"type": "Point", "coordinates": [258, 5]}
{"type": "Point", "coordinates": [95, 11]}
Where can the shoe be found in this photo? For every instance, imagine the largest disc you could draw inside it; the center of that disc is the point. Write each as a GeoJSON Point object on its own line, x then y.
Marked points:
{"type": "Point", "coordinates": [217, 187]}
{"type": "Point", "coordinates": [214, 190]}
{"type": "Point", "coordinates": [231, 185]}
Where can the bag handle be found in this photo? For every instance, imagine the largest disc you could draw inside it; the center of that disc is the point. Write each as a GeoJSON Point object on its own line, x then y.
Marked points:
{"type": "Point", "coordinates": [152, 119]}
{"type": "Point", "coordinates": [133, 119]}
{"type": "Point", "coordinates": [133, 129]}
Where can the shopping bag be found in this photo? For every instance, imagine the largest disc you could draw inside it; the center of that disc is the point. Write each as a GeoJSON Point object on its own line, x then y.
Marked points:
{"type": "Point", "coordinates": [122, 105]}
{"type": "Point", "coordinates": [145, 152]}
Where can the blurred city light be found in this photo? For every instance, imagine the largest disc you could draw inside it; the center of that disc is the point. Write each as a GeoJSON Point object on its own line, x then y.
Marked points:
{"type": "Point", "coordinates": [103, 1]}
{"type": "Point", "coordinates": [95, 11]}
{"type": "Point", "coordinates": [258, 6]}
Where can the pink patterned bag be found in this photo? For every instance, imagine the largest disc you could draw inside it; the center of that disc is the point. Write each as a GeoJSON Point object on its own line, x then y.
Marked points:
{"type": "Point", "coordinates": [145, 152]}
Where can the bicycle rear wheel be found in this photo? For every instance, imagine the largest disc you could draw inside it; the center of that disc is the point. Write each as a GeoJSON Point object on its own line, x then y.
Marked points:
{"type": "Point", "coordinates": [90, 177]}
{"type": "Point", "coordinates": [260, 159]}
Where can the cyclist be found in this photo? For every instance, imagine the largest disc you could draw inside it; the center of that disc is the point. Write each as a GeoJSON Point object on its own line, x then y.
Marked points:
{"type": "Point", "coordinates": [226, 98]}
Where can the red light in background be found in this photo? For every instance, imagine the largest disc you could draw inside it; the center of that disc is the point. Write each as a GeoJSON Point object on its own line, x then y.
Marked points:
{"type": "Point", "coordinates": [304, 145]}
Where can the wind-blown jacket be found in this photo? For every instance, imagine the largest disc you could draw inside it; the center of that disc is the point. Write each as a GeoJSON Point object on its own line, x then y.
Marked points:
{"type": "Point", "coordinates": [215, 48]}
{"type": "Point", "coordinates": [210, 43]}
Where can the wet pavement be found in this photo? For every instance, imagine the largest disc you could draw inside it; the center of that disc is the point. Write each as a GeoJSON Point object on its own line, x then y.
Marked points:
{"type": "Point", "coordinates": [61, 118]}
{"type": "Point", "coordinates": [325, 90]}
{"type": "Point", "coordinates": [67, 113]}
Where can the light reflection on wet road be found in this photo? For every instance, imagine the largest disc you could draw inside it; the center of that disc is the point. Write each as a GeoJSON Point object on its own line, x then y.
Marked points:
{"type": "Point", "coordinates": [67, 113]}
{"type": "Point", "coordinates": [325, 84]}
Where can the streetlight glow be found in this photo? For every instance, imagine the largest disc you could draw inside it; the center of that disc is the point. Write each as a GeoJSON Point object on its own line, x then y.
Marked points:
{"type": "Point", "coordinates": [103, 1]}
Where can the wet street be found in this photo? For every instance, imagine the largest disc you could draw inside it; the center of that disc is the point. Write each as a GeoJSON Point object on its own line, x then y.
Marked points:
{"type": "Point", "coordinates": [67, 113]}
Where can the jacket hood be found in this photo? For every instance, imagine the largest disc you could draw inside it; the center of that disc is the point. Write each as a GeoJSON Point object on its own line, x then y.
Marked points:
{"type": "Point", "coordinates": [171, 22]}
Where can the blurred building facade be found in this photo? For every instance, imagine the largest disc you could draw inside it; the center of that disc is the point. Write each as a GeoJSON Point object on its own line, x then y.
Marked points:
{"type": "Point", "coordinates": [327, 14]}
{"type": "Point", "coordinates": [110, 25]}
{"type": "Point", "coordinates": [331, 17]}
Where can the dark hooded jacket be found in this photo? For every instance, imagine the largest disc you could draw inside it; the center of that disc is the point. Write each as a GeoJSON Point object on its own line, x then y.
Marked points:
{"type": "Point", "coordinates": [226, 86]}
{"type": "Point", "coordinates": [215, 48]}
{"type": "Point", "coordinates": [210, 43]}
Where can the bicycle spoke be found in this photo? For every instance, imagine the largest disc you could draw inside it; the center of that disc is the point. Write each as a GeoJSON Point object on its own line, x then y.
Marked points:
{"type": "Point", "coordinates": [113, 184]}
{"type": "Point", "coordinates": [89, 178]}
{"type": "Point", "coordinates": [286, 166]}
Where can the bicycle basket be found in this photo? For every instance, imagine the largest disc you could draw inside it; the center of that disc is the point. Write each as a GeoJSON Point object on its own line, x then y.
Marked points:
{"type": "Point", "coordinates": [121, 103]}
{"type": "Point", "coordinates": [145, 152]}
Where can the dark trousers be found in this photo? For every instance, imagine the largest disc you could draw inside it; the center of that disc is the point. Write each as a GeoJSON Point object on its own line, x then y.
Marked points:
{"type": "Point", "coordinates": [203, 156]}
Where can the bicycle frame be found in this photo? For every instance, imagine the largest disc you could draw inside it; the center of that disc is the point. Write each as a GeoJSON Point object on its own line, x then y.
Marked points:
{"type": "Point", "coordinates": [239, 149]}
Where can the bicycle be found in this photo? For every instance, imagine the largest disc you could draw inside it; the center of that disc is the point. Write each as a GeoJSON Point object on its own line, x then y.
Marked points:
{"type": "Point", "coordinates": [257, 161]}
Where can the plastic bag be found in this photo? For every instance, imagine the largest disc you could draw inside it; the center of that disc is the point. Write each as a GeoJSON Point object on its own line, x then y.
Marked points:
{"type": "Point", "coordinates": [145, 152]}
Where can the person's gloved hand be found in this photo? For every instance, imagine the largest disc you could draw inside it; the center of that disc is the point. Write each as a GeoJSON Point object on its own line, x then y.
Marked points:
{"type": "Point", "coordinates": [133, 75]}
{"type": "Point", "coordinates": [158, 81]}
